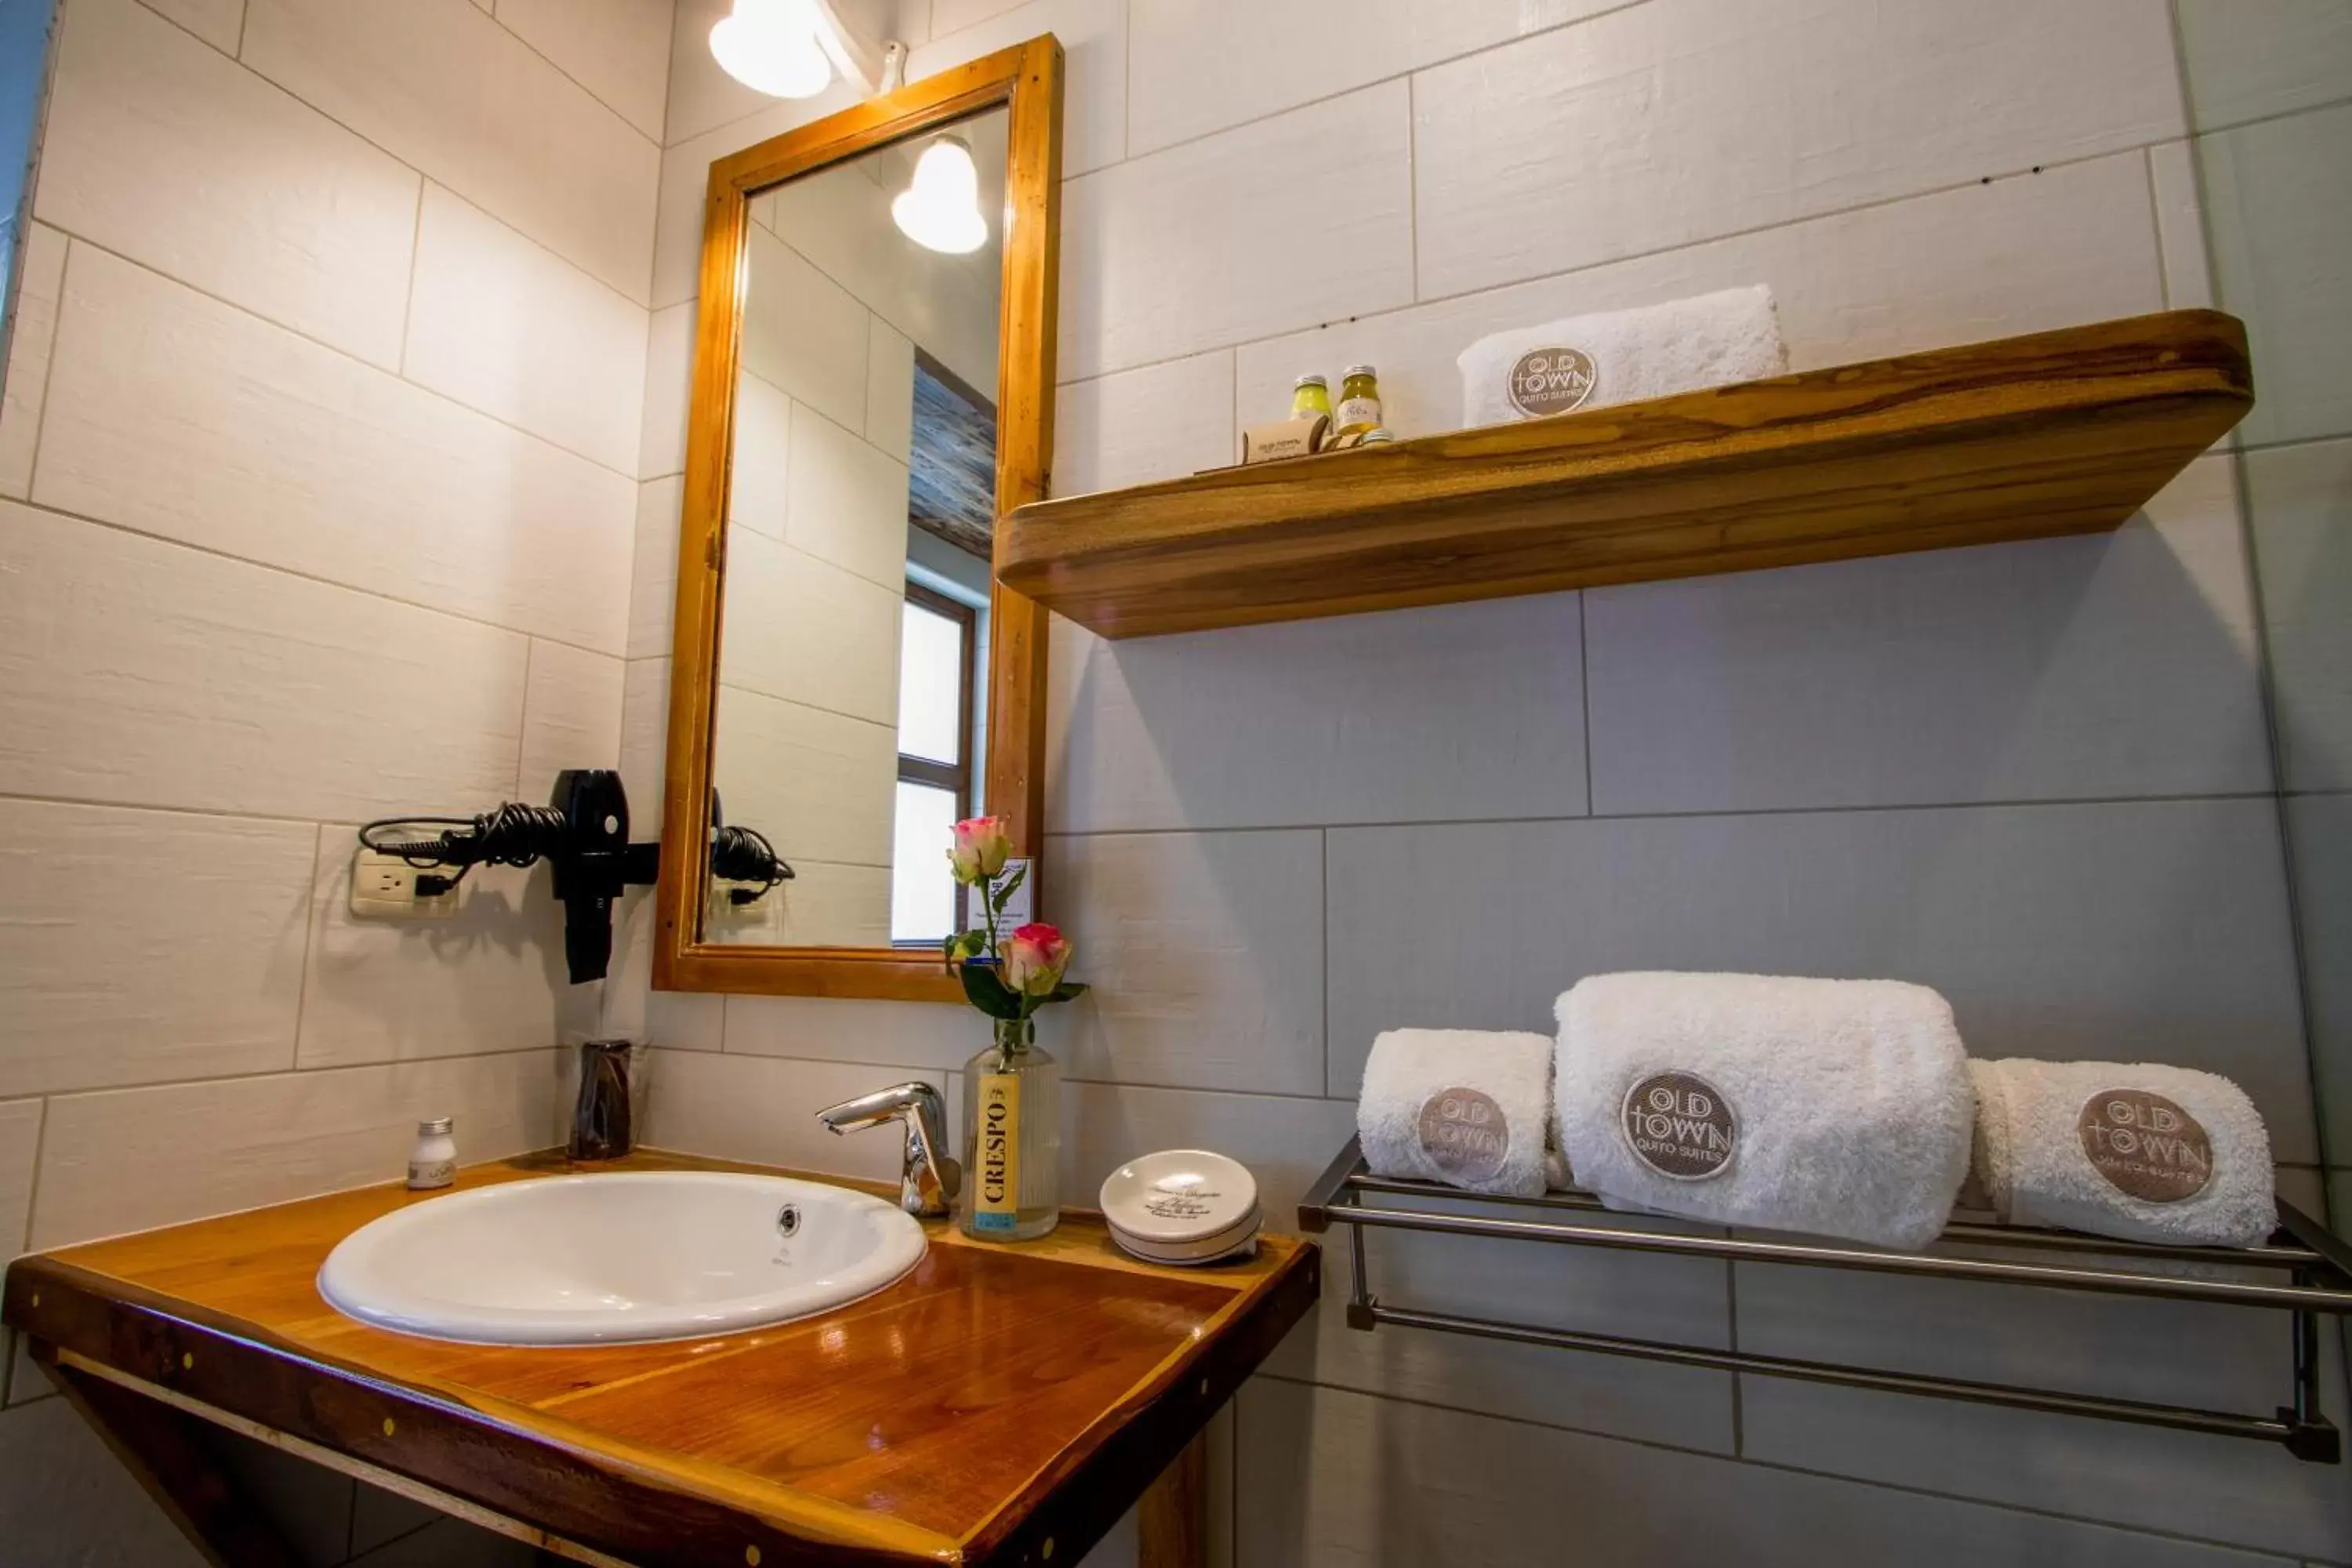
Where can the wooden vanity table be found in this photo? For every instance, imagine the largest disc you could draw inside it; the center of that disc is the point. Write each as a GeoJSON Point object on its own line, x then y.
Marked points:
{"type": "Point", "coordinates": [1001, 1405]}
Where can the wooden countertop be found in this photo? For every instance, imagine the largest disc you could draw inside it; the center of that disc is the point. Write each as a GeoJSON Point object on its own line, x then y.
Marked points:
{"type": "Point", "coordinates": [1002, 1404]}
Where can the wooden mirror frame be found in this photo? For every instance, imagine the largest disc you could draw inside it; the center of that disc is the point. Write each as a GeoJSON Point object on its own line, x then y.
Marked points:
{"type": "Point", "coordinates": [1028, 81]}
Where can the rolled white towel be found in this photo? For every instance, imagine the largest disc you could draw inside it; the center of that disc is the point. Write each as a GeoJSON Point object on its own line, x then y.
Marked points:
{"type": "Point", "coordinates": [1621, 356]}
{"type": "Point", "coordinates": [1466, 1107]}
{"type": "Point", "coordinates": [1832, 1106]}
{"type": "Point", "coordinates": [2140, 1150]}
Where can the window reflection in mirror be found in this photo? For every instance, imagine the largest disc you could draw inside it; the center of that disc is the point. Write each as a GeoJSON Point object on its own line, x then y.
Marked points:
{"type": "Point", "coordinates": [850, 721]}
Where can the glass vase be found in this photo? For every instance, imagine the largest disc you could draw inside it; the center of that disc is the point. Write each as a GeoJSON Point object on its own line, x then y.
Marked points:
{"type": "Point", "coordinates": [1012, 1138]}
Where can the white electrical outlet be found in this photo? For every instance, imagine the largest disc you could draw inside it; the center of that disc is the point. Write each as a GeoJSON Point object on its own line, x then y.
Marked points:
{"type": "Point", "coordinates": [384, 888]}
{"type": "Point", "coordinates": [723, 913]}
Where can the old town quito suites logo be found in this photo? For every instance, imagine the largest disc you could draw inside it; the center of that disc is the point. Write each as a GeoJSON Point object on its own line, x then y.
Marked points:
{"type": "Point", "coordinates": [1552, 381]}
{"type": "Point", "coordinates": [1680, 1126]}
{"type": "Point", "coordinates": [1464, 1134]}
{"type": "Point", "coordinates": [2145, 1145]}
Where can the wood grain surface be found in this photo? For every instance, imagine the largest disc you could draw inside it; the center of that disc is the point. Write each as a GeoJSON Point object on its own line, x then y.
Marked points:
{"type": "Point", "coordinates": [2062, 432]}
{"type": "Point", "coordinates": [997, 1399]}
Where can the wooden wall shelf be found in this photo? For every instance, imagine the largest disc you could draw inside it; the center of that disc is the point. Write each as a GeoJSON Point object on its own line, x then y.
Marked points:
{"type": "Point", "coordinates": [2064, 432]}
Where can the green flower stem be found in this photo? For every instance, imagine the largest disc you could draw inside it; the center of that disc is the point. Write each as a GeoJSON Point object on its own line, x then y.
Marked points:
{"type": "Point", "coordinates": [988, 912]}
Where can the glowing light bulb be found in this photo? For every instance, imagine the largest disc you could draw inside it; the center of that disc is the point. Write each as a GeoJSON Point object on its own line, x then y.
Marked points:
{"type": "Point", "coordinates": [771, 47]}
{"type": "Point", "coordinates": [939, 208]}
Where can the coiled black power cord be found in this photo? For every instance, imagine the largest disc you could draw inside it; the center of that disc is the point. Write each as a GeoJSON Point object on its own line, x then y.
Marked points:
{"type": "Point", "coordinates": [744, 855]}
{"type": "Point", "coordinates": [513, 835]}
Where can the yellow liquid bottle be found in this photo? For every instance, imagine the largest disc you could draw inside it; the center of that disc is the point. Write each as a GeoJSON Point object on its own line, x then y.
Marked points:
{"type": "Point", "coordinates": [1359, 400]}
{"type": "Point", "coordinates": [1311, 396]}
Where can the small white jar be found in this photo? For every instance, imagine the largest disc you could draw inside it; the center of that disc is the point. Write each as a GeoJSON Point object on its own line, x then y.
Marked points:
{"type": "Point", "coordinates": [433, 1161]}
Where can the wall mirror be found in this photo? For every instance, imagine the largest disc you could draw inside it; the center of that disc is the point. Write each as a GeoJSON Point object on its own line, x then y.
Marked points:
{"type": "Point", "coordinates": [872, 387]}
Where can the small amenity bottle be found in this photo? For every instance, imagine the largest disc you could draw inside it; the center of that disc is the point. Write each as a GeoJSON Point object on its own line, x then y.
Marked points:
{"type": "Point", "coordinates": [1359, 402]}
{"type": "Point", "coordinates": [432, 1163]}
{"type": "Point", "coordinates": [1311, 396]}
{"type": "Point", "coordinates": [1013, 1138]}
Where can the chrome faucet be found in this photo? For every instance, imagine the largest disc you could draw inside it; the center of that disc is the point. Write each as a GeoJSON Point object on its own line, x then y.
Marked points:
{"type": "Point", "coordinates": [928, 1179]}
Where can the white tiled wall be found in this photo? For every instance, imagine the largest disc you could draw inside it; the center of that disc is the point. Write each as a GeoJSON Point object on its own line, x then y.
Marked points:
{"type": "Point", "coordinates": [347, 404]}
{"type": "Point", "coordinates": [2270, 94]}
{"type": "Point", "coordinates": [2036, 776]}
{"type": "Point", "coordinates": [319, 448]}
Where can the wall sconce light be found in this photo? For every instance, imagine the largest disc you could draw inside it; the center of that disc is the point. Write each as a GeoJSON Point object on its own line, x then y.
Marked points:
{"type": "Point", "coordinates": [790, 49]}
{"type": "Point", "coordinates": [939, 209]}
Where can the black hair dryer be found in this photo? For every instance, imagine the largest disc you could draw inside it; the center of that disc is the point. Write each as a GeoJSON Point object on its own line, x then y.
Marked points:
{"type": "Point", "coordinates": [592, 860]}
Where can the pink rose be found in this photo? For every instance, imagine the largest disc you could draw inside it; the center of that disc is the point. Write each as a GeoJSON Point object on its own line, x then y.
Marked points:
{"type": "Point", "coordinates": [980, 848]}
{"type": "Point", "coordinates": [1035, 958]}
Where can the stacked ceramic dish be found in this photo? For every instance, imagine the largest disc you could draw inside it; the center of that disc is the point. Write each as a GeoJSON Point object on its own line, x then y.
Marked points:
{"type": "Point", "coordinates": [1184, 1206]}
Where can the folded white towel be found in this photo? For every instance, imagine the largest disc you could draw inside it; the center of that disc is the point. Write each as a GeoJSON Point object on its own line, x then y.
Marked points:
{"type": "Point", "coordinates": [2139, 1151]}
{"type": "Point", "coordinates": [1464, 1106]}
{"type": "Point", "coordinates": [1621, 356]}
{"type": "Point", "coordinates": [1832, 1107]}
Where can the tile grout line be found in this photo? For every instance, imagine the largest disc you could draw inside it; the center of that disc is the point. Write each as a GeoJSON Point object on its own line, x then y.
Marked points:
{"type": "Point", "coordinates": [522, 714]}
{"type": "Point", "coordinates": [1323, 870]}
{"type": "Point", "coordinates": [871, 317]}
{"type": "Point", "coordinates": [244, 14]}
{"type": "Point", "coordinates": [1584, 689]}
{"type": "Point", "coordinates": [313, 917]}
{"type": "Point", "coordinates": [416, 170]}
{"type": "Point", "coordinates": [2198, 131]}
{"type": "Point", "coordinates": [416, 264]}
{"type": "Point", "coordinates": [1692, 243]}
{"type": "Point", "coordinates": [179, 26]}
{"type": "Point", "coordinates": [48, 360]}
{"type": "Point", "coordinates": [1555, 819]}
{"type": "Point", "coordinates": [788, 702]}
{"type": "Point", "coordinates": [249, 313]}
{"type": "Point", "coordinates": [1335, 95]}
{"type": "Point", "coordinates": [669, 84]}
{"type": "Point", "coordinates": [2156, 221]}
{"type": "Point", "coordinates": [591, 94]}
{"type": "Point", "coordinates": [2274, 750]}
{"type": "Point", "coordinates": [371, 1064]}
{"type": "Point", "coordinates": [1128, 154]}
{"type": "Point", "coordinates": [33, 1186]}
{"type": "Point", "coordinates": [1731, 1326]}
{"type": "Point", "coordinates": [2289, 443]}
{"type": "Point", "coordinates": [1412, 193]}
{"type": "Point", "coordinates": [745, 1053]}
{"type": "Point", "coordinates": [297, 575]}
{"type": "Point", "coordinates": [540, 246]}
{"type": "Point", "coordinates": [278, 819]}
{"type": "Point", "coordinates": [2286, 1560]}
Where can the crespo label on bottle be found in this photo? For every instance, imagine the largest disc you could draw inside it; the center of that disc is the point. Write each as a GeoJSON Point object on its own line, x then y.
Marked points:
{"type": "Point", "coordinates": [996, 1198]}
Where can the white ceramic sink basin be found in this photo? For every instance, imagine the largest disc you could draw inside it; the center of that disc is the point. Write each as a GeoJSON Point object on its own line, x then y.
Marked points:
{"type": "Point", "coordinates": [575, 1260]}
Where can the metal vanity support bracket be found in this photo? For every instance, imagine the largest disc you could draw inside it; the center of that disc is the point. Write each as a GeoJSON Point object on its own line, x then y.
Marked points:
{"type": "Point", "coordinates": [2318, 1265]}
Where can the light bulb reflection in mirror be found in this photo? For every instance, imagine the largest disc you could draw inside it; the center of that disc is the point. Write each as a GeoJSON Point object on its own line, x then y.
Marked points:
{"type": "Point", "coordinates": [941, 208]}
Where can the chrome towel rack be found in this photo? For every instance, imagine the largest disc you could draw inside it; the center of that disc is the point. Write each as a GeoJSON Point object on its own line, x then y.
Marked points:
{"type": "Point", "coordinates": [2317, 1266]}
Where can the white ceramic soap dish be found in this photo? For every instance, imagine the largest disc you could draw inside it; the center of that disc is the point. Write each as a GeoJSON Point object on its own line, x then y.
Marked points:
{"type": "Point", "coordinates": [1184, 1206]}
